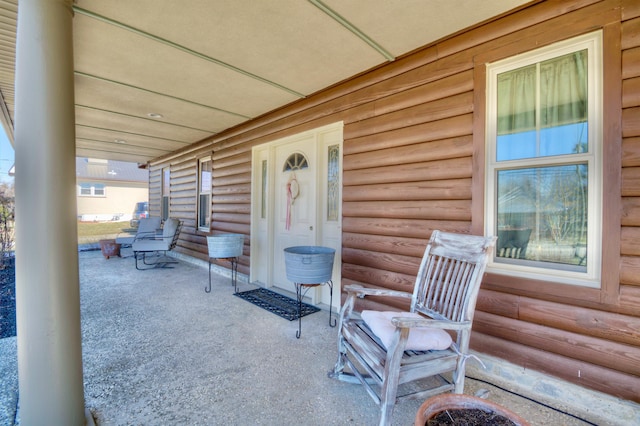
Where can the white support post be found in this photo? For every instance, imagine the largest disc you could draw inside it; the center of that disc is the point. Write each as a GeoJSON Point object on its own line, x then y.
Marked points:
{"type": "Point", "coordinates": [47, 278]}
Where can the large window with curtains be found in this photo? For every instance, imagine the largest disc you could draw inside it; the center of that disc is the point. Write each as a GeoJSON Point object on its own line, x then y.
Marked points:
{"type": "Point", "coordinates": [544, 171]}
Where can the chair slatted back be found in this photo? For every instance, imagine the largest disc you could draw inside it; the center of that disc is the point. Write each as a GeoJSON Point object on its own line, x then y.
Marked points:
{"type": "Point", "coordinates": [450, 274]}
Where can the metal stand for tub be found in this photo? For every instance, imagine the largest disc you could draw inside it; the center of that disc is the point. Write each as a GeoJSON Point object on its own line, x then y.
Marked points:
{"type": "Point", "coordinates": [306, 267]}
{"type": "Point", "coordinates": [301, 291]}
{"type": "Point", "coordinates": [234, 274]}
{"type": "Point", "coordinates": [225, 247]}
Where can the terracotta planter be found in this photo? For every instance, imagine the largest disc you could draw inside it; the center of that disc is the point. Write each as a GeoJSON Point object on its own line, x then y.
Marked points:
{"type": "Point", "coordinates": [109, 248]}
{"type": "Point", "coordinates": [434, 405]}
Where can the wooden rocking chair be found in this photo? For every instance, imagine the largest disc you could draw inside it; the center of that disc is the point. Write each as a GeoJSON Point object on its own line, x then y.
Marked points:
{"type": "Point", "coordinates": [385, 350]}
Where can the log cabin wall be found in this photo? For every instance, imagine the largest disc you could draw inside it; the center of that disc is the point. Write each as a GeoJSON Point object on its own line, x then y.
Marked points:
{"type": "Point", "coordinates": [413, 162]}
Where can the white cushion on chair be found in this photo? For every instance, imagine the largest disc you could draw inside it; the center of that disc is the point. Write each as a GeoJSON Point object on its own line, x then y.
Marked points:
{"type": "Point", "coordinates": [420, 338]}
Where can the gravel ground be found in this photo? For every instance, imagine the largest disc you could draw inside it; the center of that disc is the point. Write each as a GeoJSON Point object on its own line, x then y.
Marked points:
{"type": "Point", "coordinates": [8, 361]}
{"type": "Point", "coordinates": [8, 299]}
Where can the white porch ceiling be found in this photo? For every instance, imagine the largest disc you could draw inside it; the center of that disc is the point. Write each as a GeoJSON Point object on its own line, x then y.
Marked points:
{"type": "Point", "coordinates": [208, 65]}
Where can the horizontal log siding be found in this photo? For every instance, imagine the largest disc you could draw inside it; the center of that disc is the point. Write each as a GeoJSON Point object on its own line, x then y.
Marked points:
{"type": "Point", "coordinates": [155, 191]}
{"type": "Point", "coordinates": [584, 341]}
{"type": "Point", "coordinates": [630, 215]}
{"type": "Point", "coordinates": [607, 380]}
{"type": "Point", "coordinates": [411, 166]}
{"type": "Point", "coordinates": [630, 265]}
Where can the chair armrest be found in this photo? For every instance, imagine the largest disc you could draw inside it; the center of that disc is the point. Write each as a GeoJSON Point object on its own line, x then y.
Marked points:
{"type": "Point", "coordinates": [407, 322]}
{"type": "Point", "coordinates": [147, 235]}
{"type": "Point", "coordinates": [361, 292]}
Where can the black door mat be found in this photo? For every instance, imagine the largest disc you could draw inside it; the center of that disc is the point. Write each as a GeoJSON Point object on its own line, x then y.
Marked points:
{"type": "Point", "coordinates": [280, 305]}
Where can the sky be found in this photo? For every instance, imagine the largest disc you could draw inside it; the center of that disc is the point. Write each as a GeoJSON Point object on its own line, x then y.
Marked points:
{"type": "Point", "coordinates": [7, 157]}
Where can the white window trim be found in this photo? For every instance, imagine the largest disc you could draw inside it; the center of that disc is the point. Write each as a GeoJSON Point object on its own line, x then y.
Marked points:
{"type": "Point", "coordinates": [93, 190]}
{"type": "Point", "coordinates": [200, 193]}
{"type": "Point", "coordinates": [592, 276]}
{"type": "Point", "coordinates": [165, 192]}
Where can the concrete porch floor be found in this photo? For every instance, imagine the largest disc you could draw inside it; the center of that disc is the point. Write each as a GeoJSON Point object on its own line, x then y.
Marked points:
{"type": "Point", "coordinates": [158, 350]}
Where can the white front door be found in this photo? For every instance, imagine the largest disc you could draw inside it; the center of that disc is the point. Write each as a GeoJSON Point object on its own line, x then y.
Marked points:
{"type": "Point", "coordinates": [296, 200]}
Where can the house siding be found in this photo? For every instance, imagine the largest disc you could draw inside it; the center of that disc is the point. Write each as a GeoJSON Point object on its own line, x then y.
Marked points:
{"type": "Point", "coordinates": [120, 199]}
{"type": "Point", "coordinates": [124, 185]}
{"type": "Point", "coordinates": [413, 161]}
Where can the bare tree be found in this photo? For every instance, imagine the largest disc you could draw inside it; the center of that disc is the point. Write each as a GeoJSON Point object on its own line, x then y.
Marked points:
{"type": "Point", "coordinates": [7, 218]}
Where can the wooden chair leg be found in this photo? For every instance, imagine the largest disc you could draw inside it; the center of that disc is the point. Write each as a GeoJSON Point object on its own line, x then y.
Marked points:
{"type": "Point", "coordinates": [339, 367]}
{"type": "Point", "coordinates": [458, 376]}
{"type": "Point", "coordinates": [388, 400]}
{"type": "Point", "coordinates": [459, 372]}
{"type": "Point", "coordinates": [389, 389]}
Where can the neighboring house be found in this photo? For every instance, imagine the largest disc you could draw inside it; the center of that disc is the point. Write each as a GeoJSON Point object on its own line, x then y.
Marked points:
{"type": "Point", "coordinates": [422, 143]}
{"type": "Point", "coordinates": [109, 190]}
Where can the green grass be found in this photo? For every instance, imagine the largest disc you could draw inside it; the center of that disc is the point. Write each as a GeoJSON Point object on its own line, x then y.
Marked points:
{"type": "Point", "coordinates": [91, 232]}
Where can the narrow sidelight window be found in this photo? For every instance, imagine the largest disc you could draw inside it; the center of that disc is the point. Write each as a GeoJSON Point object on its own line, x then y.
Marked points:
{"type": "Point", "coordinates": [204, 194]}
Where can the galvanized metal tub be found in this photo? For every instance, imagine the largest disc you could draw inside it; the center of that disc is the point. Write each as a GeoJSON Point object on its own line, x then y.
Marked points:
{"type": "Point", "coordinates": [225, 245]}
{"type": "Point", "coordinates": [309, 264]}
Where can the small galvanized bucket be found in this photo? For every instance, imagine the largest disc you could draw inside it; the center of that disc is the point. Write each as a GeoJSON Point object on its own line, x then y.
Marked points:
{"type": "Point", "coordinates": [225, 245]}
{"type": "Point", "coordinates": [309, 264]}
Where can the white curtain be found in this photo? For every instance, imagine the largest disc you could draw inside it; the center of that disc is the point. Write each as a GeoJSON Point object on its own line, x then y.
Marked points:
{"type": "Point", "coordinates": [562, 90]}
